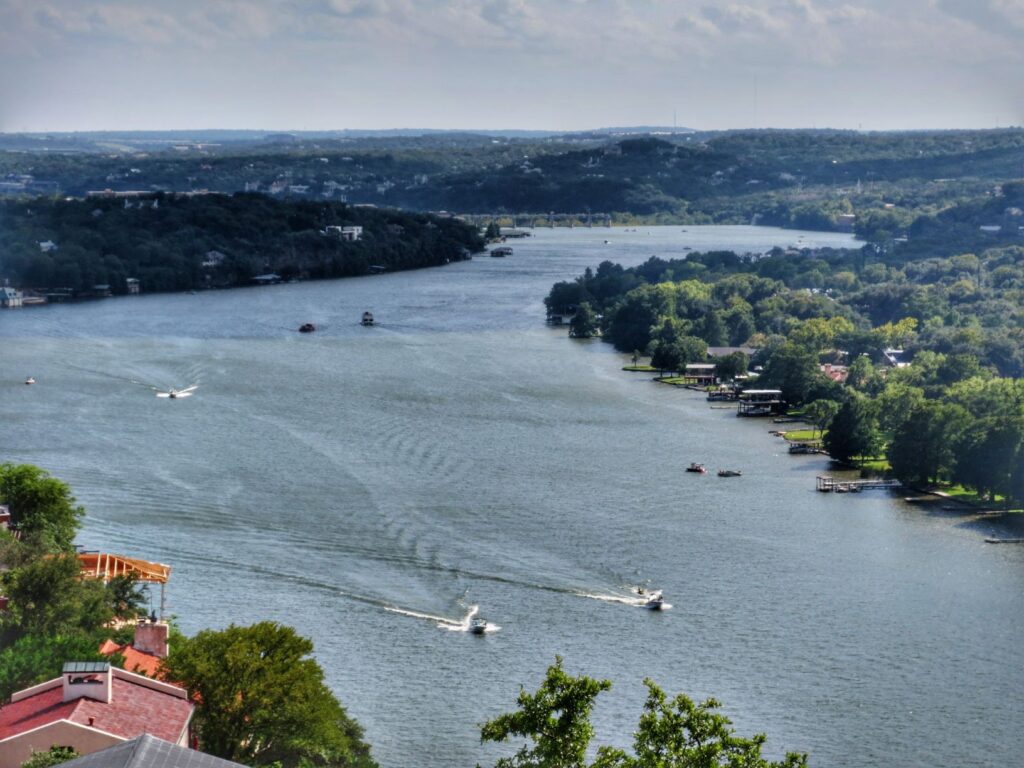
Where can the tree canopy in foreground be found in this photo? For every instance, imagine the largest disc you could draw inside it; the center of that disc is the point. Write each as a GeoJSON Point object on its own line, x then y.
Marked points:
{"type": "Point", "coordinates": [261, 699]}
{"type": "Point", "coordinates": [672, 733]}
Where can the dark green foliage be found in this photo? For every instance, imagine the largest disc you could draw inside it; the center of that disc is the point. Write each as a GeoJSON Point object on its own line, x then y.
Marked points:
{"type": "Point", "coordinates": [556, 719]}
{"type": "Point", "coordinates": [36, 658]}
{"type": "Point", "coordinates": [102, 242]}
{"type": "Point", "coordinates": [584, 324]}
{"type": "Point", "coordinates": [794, 370]}
{"type": "Point", "coordinates": [853, 433]}
{"type": "Point", "coordinates": [42, 508]}
{"type": "Point", "coordinates": [676, 733]}
{"type": "Point", "coordinates": [52, 756]}
{"type": "Point", "coordinates": [262, 699]}
{"type": "Point", "coordinates": [923, 449]}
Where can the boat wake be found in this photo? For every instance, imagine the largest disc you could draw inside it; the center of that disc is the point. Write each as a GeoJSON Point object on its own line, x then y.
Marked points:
{"type": "Point", "coordinates": [443, 622]}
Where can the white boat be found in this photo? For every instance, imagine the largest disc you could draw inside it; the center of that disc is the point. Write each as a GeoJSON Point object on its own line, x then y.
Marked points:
{"type": "Point", "coordinates": [655, 601]}
{"type": "Point", "coordinates": [30, 380]}
{"type": "Point", "coordinates": [477, 625]}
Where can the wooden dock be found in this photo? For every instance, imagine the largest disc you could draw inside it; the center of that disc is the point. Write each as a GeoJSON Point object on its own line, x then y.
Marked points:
{"type": "Point", "coordinates": [827, 484]}
{"type": "Point", "coordinates": [1003, 541]}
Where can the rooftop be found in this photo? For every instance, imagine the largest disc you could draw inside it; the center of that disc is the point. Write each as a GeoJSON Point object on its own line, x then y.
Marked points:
{"type": "Point", "coordinates": [148, 752]}
{"type": "Point", "coordinates": [137, 705]}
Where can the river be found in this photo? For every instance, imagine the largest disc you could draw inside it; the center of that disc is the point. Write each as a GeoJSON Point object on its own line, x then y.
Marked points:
{"type": "Point", "coordinates": [361, 484]}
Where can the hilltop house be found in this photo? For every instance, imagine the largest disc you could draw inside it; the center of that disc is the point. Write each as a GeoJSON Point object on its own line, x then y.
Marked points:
{"type": "Point", "coordinates": [91, 706]}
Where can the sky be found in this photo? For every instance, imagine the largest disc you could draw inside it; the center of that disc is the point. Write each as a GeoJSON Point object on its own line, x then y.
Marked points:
{"type": "Point", "coordinates": [496, 64]}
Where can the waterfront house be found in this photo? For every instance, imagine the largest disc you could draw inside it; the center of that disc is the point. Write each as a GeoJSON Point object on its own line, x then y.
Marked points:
{"type": "Point", "coordinates": [91, 706]}
{"type": "Point", "coordinates": [10, 298]}
{"type": "Point", "coordinates": [700, 373]}
{"type": "Point", "coordinates": [132, 283]}
{"type": "Point", "coordinates": [145, 652]}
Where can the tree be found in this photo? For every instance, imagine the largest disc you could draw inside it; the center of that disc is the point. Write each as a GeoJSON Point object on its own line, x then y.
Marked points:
{"type": "Point", "coordinates": [53, 756]}
{"type": "Point", "coordinates": [37, 658]}
{"type": "Point", "coordinates": [584, 322]}
{"type": "Point", "coordinates": [556, 719]}
{"type": "Point", "coordinates": [683, 734]}
{"type": "Point", "coordinates": [854, 431]}
{"type": "Point", "coordinates": [794, 370]}
{"type": "Point", "coordinates": [924, 446]}
{"type": "Point", "coordinates": [262, 699]}
{"type": "Point", "coordinates": [820, 413]}
{"type": "Point", "coordinates": [732, 365]}
{"type": "Point", "coordinates": [42, 508]}
{"type": "Point", "coordinates": [988, 455]}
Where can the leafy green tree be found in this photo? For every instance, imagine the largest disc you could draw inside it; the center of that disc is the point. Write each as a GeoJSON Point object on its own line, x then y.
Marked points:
{"type": "Point", "coordinates": [794, 370]}
{"type": "Point", "coordinates": [42, 508]}
{"type": "Point", "coordinates": [732, 365]}
{"type": "Point", "coordinates": [924, 447]}
{"type": "Point", "coordinates": [262, 699]}
{"type": "Point", "coordinates": [36, 658]}
{"type": "Point", "coordinates": [820, 413]}
{"type": "Point", "coordinates": [853, 432]}
{"type": "Point", "coordinates": [53, 756]}
{"type": "Point", "coordinates": [989, 456]}
{"type": "Point", "coordinates": [680, 733]}
{"type": "Point", "coordinates": [584, 322]}
{"type": "Point", "coordinates": [556, 719]}
{"type": "Point", "coordinates": [47, 596]}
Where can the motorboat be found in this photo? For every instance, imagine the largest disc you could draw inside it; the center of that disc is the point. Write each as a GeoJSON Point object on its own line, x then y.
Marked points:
{"type": "Point", "coordinates": [729, 473]}
{"type": "Point", "coordinates": [477, 625]}
{"type": "Point", "coordinates": [503, 251]}
{"type": "Point", "coordinates": [176, 394]}
{"type": "Point", "coordinates": [695, 467]}
{"type": "Point", "coordinates": [367, 318]}
{"type": "Point", "coordinates": [30, 380]}
{"type": "Point", "coordinates": [307, 328]}
{"type": "Point", "coordinates": [655, 601]}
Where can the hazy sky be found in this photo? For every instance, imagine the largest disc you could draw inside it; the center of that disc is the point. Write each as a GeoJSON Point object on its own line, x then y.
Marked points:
{"type": "Point", "coordinates": [551, 64]}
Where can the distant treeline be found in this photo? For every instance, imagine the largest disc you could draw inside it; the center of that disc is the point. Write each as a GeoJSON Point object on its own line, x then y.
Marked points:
{"type": "Point", "coordinates": [812, 179]}
{"type": "Point", "coordinates": [165, 239]}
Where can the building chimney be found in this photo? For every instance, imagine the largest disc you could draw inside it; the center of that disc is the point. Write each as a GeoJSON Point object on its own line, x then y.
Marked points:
{"type": "Point", "coordinates": [87, 680]}
{"type": "Point", "coordinates": [151, 637]}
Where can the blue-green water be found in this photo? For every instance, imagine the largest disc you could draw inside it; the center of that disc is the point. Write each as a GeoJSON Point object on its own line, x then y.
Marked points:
{"type": "Point", "coordinates": [356, 482]}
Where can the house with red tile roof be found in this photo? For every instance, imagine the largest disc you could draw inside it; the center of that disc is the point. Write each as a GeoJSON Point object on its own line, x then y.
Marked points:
{"type": "Point", "coordinates": [145, 653]}
{"type": "Point", "coordinates": [90, 707]}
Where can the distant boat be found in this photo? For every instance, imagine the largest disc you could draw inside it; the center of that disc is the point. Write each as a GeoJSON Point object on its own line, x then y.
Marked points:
{"type": "Point", "coordinates": [30, 380]}
{"type": "Point", "coordinates": [176, 394]}
{"type": "Point", "coordinates": [307, 328]}
{"type": "Point", "coordinates": [729, 473]}
{"type": "Point", "coordinates": [695, 467]}
{"type": "Point", "coordinates": [503, 251]}
{"type": "Point", "coordinates": [367, 318]}
{"type": "Point", "coordinates": [477, 625]}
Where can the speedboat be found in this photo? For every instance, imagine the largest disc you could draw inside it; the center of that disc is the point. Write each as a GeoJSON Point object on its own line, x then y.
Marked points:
{"type": "Point", "coordinates": [30, 380]}
{"type": "Point", "coordinates": [695, 467]}
{"type": "Point", "coordinates": [367, 318]}
{"type": "Point", "coordinates": [729, 473]}
{"type": "Point", "coordinates": [655, 601]}
{"type": "Point", "coordinates": [477, 625]}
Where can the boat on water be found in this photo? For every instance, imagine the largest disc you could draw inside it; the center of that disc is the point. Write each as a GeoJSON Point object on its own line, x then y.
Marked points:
{"type": "Point", "coordinates": [30, 380]}
{"type": "Point", "coordinates": [729, 473]}
{"type": "Point", "coordinates": [367, 318]}
{"type": "Point", "coordinates": [307, 328]}
{"type": "Point", "coordinates": [695, 467]}
{"type": "Point", "coordinates": [477, 625]}
{"type": "Point", "coordinates": [655, 601]}
{"type": "Point", "coordinates": [502, 251]}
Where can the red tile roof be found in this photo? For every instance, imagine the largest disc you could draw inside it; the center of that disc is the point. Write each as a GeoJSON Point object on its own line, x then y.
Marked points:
{"type": "Point", "coordinates": [134, 660]}
{"type": "Point", "coordinates": [134, 709]}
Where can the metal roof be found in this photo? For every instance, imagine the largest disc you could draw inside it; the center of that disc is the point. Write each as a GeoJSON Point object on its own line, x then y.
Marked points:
{"type": "Point", "coordinates": [85, 666]}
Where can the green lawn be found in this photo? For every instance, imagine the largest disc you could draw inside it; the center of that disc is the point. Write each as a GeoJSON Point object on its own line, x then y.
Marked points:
{"type": "Point", "coordinates": [642, 368]}
{"type": "Point", "coordinates": [803, 435]}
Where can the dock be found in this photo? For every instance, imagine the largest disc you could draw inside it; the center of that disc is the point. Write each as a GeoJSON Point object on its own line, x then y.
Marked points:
{"type": "Point", "coordinates": [827, 484]}
{"type": "Point", "coordinates": [991, 540]}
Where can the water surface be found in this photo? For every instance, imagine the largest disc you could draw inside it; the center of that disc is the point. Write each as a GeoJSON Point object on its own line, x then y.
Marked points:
{"type": "Point", "coordinates": [356, 482]}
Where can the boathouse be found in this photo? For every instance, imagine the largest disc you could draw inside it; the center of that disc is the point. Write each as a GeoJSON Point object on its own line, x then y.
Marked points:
{"type": "Point", "coordinates": [760, 402]}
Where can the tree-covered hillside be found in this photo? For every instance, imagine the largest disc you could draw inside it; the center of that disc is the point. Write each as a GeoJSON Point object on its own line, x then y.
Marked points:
{"type": "Point", "coordinates": [177, 242]}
